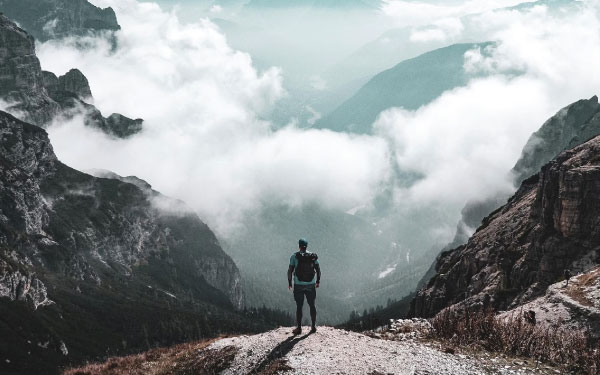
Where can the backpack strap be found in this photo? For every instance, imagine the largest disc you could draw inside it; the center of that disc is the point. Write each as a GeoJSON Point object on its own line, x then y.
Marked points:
{"type": "Point", "coordinates": [312, 256]}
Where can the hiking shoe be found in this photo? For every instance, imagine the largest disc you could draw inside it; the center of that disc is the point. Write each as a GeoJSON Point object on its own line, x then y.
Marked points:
{"type": "Point", "coordinates": [297, 331]}
{"type": "Point", "coordinates": [313, 329]}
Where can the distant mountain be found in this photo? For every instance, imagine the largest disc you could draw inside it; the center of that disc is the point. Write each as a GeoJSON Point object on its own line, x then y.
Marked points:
{"type": "Point", "coordinates": [549, 225]}
{"type": "Point", "coordinates": [38, 97]}
{"type": "Point", "coordinates": [94, 266]}
{"type": "Point", "coordinates": [410, 85]}
{"type": "Point", "coordinates": [404, 42]}
{"type": "Point", "coordinates": [51, 19]}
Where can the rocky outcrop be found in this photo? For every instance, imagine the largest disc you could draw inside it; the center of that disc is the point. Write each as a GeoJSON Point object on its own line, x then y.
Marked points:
{"type": "Point", "coordinates": [19, 287]}
{"type": "Point", "coordinates": [93, 262]}
{"type": "Point", "coordinates": [38, 96]}
{"type": "Point", "coordinates": [122, 126]}
{"type": "Point", "coordinates": [571, 126]}
{"type": "Point", "coordinates": [21, 82]}
{"type": "Point", "coordinates": [50, 19]}
{"type": "Point", "coordinates": [550, 224]}
{"type": "Point", "coordinates": [572, 305]}
{"type": "Point", "coordinates": [72, 84]}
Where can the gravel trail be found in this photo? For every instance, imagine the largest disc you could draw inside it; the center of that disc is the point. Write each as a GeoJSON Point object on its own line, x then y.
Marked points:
{"type": "Point", "coordinates": [333, 351]}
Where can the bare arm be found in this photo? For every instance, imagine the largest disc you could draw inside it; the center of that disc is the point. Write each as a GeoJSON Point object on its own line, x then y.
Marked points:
{"type": "Point", "coordinates": [290, 273]}
{"type": "Point", "coordinates": [318, 269]}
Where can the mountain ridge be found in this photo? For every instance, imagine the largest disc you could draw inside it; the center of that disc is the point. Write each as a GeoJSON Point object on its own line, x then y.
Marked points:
{"type": "Point", "coordinates": [55, 19]}
{"type": "Point", "coordinates": [524, 246]}
{"type": "Point", "coordinates": [410, 84]}
{"type": "Point", "coordinates": [92, 266]}
{"type": "Point", "coordinates": [39, 97]}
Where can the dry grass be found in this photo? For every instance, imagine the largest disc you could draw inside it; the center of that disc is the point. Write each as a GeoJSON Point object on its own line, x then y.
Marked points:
{"type": "Point", "coordinates": [571, 350]}
{"type": "Point", "coordinates": [576, 287]}
{"type": "Point", "coordinates": [184, 359]}
{"type": "Point", "coordinates": [279, 366]}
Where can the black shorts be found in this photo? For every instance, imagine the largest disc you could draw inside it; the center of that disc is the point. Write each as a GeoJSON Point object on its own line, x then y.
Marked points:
{"type": "Point", "coordinates": [310, 291]}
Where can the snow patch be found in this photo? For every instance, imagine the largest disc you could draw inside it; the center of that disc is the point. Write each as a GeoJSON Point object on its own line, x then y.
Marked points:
{"type": "Point", "coordinates": [387, 271]}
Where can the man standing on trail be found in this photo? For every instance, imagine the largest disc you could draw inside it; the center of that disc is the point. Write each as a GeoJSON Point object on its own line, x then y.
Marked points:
{"type": "Point", "coordinates": [304, 266]}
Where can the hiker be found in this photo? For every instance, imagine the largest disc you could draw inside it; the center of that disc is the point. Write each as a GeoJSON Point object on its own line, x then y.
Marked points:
{"type": "Point", "coordinates": [567, 275]}
{"type": "Point", "coordinates": [304, 265]}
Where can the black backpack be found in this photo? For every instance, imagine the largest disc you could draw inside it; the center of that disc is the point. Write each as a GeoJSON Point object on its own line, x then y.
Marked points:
{"type": "Point", "coordinates": [305, 270]}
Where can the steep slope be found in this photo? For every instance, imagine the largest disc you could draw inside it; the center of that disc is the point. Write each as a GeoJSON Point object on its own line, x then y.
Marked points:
{"type": "Point", "coordinates": [550, 224]}
{"type": "Point", "coordinates": [92, 266]}
{"type": "Point", "coordinates": [573, 306]}
{"type": "Point", "coordinates": [21, 83]}
{"type": "Point", "coordinates": [571, 126]}
{"type": "Point", "coordinates": [410, 84]}
{"type": "Point", "coordinates": [50, 19]}
{"type": "Point", "coordinates": [38, 97]}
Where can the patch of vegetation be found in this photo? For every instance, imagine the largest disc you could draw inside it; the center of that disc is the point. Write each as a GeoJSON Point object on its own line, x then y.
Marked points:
{"type": "Point", "coordinates": [378, 317]}
{"type": "Point", "coordinates": [576, 288]}
{"type": "Point", "coordinates": [185, 359]}
{"type": "Point", "coordinates": [279, 366]}
{"type": "Point", "coordinates": [572, 350]}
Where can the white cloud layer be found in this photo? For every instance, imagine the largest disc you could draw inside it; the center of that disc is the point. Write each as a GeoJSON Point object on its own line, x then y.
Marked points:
{"type": "Point", "coordinates": [204, 141]}
{"type": "Point", "coordinates": [465, 142]}
{"type": "Point", "coordinates": [416, 13]}
{"type": "Point", "coordinates": [203, 102]}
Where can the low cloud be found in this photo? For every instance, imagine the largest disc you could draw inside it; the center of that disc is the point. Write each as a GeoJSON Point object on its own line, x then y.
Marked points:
{"type": "Point", "coordinates": [439, 31]}
{"type": "Point", "coordinates": [204, 140]}
{"type": "Point", "coordinates": [465, 142]}
{"type": "Point", "coordinates": [417, 13]}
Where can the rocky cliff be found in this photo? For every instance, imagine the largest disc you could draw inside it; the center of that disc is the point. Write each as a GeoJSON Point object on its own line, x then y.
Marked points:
{"type": "Point", "coordinates": [572, 305]}
{"type": "Point", "coordinates": [90, 265]}
{"type": "Point", "coordinates": [50, 19]}
{"type": "Point", "coordinates": [38, 97]}
{"type": "Point", "coordinates": [549, 225]}
{"type": "Point", "coordinates": [571, 126]}
{"type": "Point", "coordinates": [21, 82]}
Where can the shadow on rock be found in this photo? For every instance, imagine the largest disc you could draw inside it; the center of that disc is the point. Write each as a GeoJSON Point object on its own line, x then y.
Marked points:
{"type": "Point", "coordinates": [280, 351]}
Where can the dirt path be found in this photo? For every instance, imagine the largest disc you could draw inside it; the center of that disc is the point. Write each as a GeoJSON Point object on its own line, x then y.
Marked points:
{"type": "Point", "coordinates": [333, 351]}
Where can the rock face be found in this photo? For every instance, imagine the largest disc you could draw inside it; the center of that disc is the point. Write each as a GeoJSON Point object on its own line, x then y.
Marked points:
{"type": "Point", "coordinates": [99, 264]}
{"type": "Point", "coordinates": [50, 19]}
{"type": "Point", "coordinates": [549, 225]}
{"type": "Point", "coordinates": [122, 126]}
{"type": "Point", "coordinates": [570, 127]}
{"type": "Point", "coordinates": [38, 97]}
{"type": "Point", "coordinates": [572, 306]}
{"type": "Point", "coordinates": [72, 84]}
{"type": "Point", "coordinates": [21, 81]}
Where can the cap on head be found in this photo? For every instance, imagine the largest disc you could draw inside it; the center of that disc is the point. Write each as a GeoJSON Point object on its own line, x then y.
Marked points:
{"type": "Point", "coordinates": [302, 242]}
